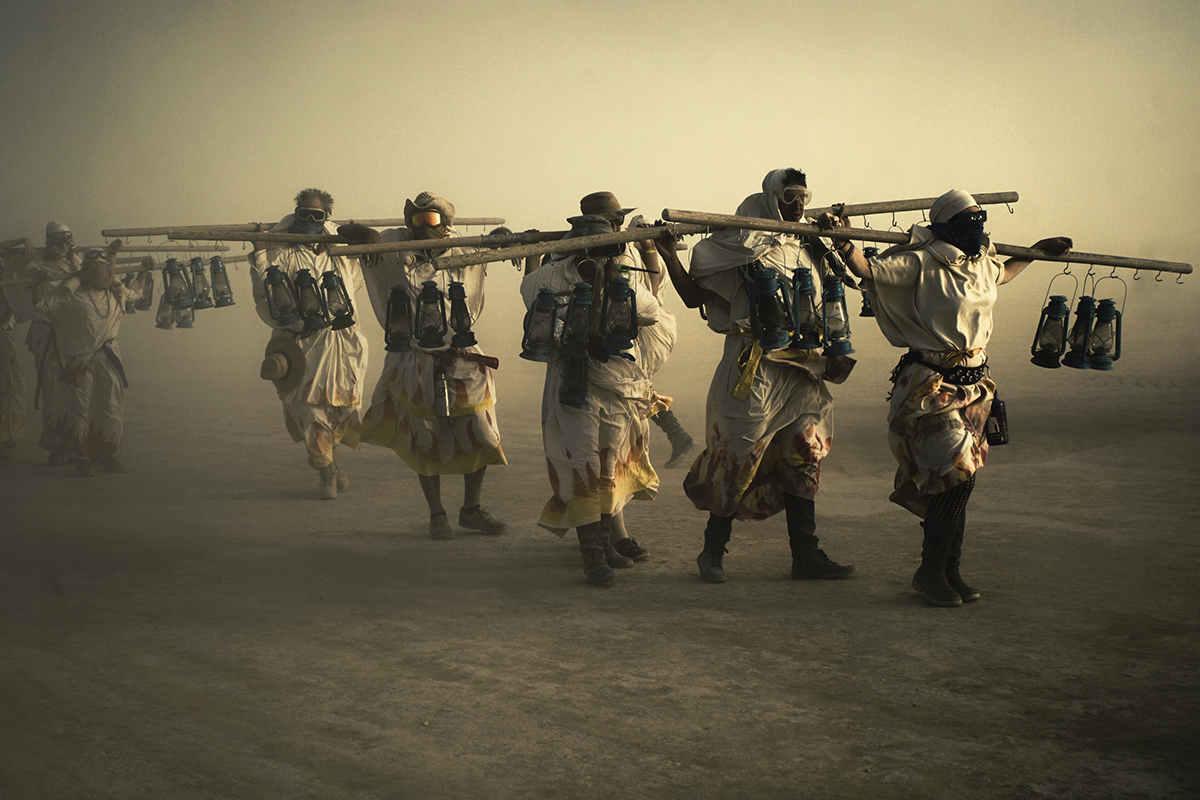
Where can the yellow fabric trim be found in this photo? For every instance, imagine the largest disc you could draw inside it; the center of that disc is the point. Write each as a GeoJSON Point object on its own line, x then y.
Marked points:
{"type": "Point", "coordinates": [748, 362]}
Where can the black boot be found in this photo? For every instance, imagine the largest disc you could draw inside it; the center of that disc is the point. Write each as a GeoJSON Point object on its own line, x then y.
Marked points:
{"type": "Point", "coordinates": [591, 547]}
{"type": "Point", "coordinates": [807, 560]}
{"type": "Point", "coordinates": [681, 443]}
{"type": "Point", "coordinates": [716, 536]}
{"type": "Point", "coordinates": [952, 575]}
{"type": "Point", "coordinates": [930, 579]}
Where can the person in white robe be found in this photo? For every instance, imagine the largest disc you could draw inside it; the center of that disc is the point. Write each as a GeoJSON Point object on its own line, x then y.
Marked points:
{"type": "Point", "coordinates": [597, 444]}
{"type": "Point", "coordinates": [50, 265]}
{"type": "Point", "coordinates": [769, 413]}
{"type": "Point", "coordinates": [934, 296]}
{"type": "Point", "coordinates": [435, 404]}
{"type": "Point", "coordinates": [86, 407]}
{"type": "Point", "coordinates": [12, 384]}
{"type": "Point", "coordinates": [323, 409]}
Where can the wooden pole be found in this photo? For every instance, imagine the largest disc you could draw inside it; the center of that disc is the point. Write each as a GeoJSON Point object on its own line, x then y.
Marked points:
{"type": "Point", "coordinates": [135, 265]}
{"type": "Point", "coordinates": [918, 204]}
{"type": "Point", "coordinates": [564, 245]}
{"type": "Point", "coordinates": [502, 240]}
{"type": "Point", "coordinates": [250, 227]}
{"type": "Point", "coordinates": [211, 235]}
{"type": "Point", "coordinates": [137, 248]}
{"type": "Point", "coordinates": [896, 237]}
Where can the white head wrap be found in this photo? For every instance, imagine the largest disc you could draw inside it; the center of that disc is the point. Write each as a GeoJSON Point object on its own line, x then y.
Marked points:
{"type": "Point", "coordinates": [777, 180]}
{"type": "Point", "coordinates": [56, 227]}
{"type": "Point", "coordinates": [948, 205]}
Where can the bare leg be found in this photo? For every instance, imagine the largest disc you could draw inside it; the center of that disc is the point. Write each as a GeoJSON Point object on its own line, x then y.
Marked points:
{"type": "Point", "coordinates": [617, 527]}
{"type": "Point", "coordinates": [431, 485]}
{"type": "Point", "coordinates": [618, 537]}
{"type": "Point", "coordinates": [473, 488]}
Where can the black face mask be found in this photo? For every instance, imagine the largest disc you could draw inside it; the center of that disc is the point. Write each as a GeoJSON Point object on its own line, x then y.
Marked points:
{"type": "Point", "coordinates": [966, 235]}
{"type": "Point", "coordinates": [309, 226]}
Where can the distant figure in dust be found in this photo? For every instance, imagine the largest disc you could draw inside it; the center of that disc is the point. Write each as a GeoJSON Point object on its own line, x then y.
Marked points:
{"type": "Point", "coordinates": [12, 381]}
{"type": "Point", "coordinates": [87, 402]}
{"type": "Point", "coordinates": [434, 405]}
{"type": "Point", "coordinates": [934, 296]}
{"type": "Point", "coordinates": [321, 404]}
{"type": "Point", "coordinates": [596, 401]}
{"type": "Point", "coordinates": [50, 266]}
{"type": "Point", "coordinates": [770, 412]}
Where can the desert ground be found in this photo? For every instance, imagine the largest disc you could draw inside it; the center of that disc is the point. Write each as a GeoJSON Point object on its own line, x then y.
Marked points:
{"type": "Point", "coordinates": [203, 627]}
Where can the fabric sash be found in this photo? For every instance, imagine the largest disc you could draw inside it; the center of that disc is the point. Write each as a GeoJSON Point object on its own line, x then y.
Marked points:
{"type": "Point", "coordinates": [116, 362]}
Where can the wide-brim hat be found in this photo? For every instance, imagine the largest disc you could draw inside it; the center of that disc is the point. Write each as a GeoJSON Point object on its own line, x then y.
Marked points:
{"type": "Point", "coordinates": [283, 364]}
{"type": "Point", "coordinates": [603, 204]}
{"type": "Point", "coordinates": [593, 225]}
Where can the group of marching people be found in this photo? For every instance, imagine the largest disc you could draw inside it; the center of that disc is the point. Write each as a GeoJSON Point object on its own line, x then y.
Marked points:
{"type": "Point", "coordinates": [74, 304]}
{"type": "Point", "coordinates": [769, 414]}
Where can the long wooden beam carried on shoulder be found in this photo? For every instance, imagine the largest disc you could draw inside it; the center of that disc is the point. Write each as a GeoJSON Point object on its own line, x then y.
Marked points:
{"type": "Point", "coordinates": [896, 237]}
{"type": "Point", "coordinates": [127, 265]}
{"type": "Point", "coordinates": [564, 245]}
{"type": "Point", "coordinates": [250, 227]}
{"type": "Point", "coordinates": [916, 204]}
{"type": "Point", "coordinates": [499, 240]}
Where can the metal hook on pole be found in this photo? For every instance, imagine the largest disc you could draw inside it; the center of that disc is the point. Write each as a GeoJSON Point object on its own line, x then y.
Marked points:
{"type": "Point", "coordinates": [1158, 278]}
{"type": "Point", "coordinates": [1010, 208]}
{"type": "Point", "coordinates": [1179, 279]}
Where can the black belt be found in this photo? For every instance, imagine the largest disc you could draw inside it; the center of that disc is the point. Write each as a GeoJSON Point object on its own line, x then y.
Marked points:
{"type": "Point", "coordinates": [959, 376]}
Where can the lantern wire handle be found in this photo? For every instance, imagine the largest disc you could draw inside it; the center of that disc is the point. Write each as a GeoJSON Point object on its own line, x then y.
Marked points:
{"type": "Point", "coordinates": [1124, 287]}
{"type": "Point", "coordinates": [1091, 273]}
{"type": "Point", "coordinates": [1066, 272]}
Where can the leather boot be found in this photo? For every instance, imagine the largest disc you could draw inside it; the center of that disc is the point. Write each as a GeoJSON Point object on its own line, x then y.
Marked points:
{"type": "Point", "coordinates": [710, 560]}
{"type": "Point", "coordinates": [327, 489]}
{"type": "Point", "coordinates": [952, 575]}
{"type": "Point", "coordinates": [611, 556]}
{"type": "Point", "coordinates": [809, 562]}
{"type": "Point", "coordinates": [681, 442]}
{"type": "Point", "coordinates": [591, 547]}
{"type": "Point", "coordinates": [930, 578]}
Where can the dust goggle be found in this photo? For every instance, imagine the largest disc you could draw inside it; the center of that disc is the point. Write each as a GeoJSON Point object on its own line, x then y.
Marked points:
{"type": "Point", "coordinates": [794, 193]}
{"type": "Point", "coordinates": [430, 219]}
{"type": "Point", "coordinates": [308, 214]}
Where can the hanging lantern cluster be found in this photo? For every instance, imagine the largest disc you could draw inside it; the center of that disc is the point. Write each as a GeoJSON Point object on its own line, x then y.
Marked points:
{"type": "Point", "coordinates": [186, 289]}
{"type": "Point", "coordinates": [429, 322]}
{"type": "Point", "coordinates": [770, 313]}
{"type": "Point", "coordinates": [1093, 341]}
{"type": "Point", "coordinates": [317, 304]}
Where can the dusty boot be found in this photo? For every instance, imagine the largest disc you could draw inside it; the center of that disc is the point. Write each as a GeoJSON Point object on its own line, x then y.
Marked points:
{"type": "Point", "coordinates": [611, 556]}
{"type": "Point", "coordinates": [83, 468]}
{"type": "Point", "coordinates": [952, 575]}
{"type": "Point", "coordinates": [930, 579]}
{"type": "Point", "coordinates": [711, 558]}
{"type": "Point", "coordinates": [56, 460]}
{"type": "Point", "coordinates": [439, 527]}
{"type": "Point", "coordinates": [327, 490]}
{"type": "Point", "coordinates": [591, 547]}
{"type": "Point", "coordinates": [629, 548]}
{"type": "Point", "coordinates": [112, 465]}
{"type": "Point", "coordinates": [343, 480]}
{"type": "Point", "coordinates": [809, 562]}
{"type": "Point", "coordinates": [681, 442]}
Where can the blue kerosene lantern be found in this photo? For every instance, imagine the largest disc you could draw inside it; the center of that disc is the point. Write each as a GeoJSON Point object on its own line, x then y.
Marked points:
{"type": "Point", "coordinates": [1050, 338]}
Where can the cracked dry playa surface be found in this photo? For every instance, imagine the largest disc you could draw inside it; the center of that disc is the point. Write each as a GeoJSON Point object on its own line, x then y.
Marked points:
{"type": "Point", "coordinates": [203, 627]}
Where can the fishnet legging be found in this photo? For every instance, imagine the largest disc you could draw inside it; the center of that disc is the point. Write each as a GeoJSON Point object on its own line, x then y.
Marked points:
{"type": "Point", "coordinates": [951, 504]}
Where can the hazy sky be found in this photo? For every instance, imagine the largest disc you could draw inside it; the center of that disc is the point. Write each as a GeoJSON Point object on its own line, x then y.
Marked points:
{"type": "Point", "coordinates": [121, 114]}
